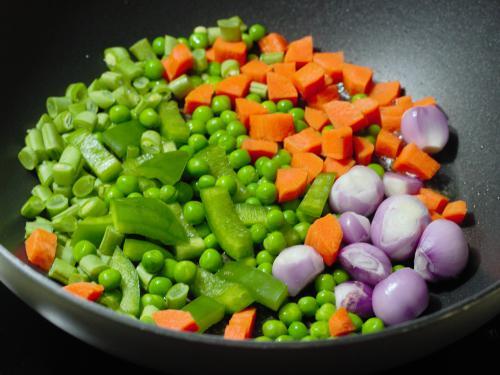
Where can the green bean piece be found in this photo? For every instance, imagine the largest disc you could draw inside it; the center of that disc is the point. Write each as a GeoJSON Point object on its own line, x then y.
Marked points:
{"type": "Point", "coordinates": [92, 265]}
{"type": "Point", "coordinates": [173, 127]}
{"type": "Point", "coordinates": [34, 140]}
{"type": "Point", "coordinates": [129, 69]}
{"type": "Point", "coordinates": [76, 92]}
{"type": "Point", "coordinates": [57, 104]}
{"type": "Point", "coordinates": [33, 207]}
{"type": "Point", "coordinates": [150, 142]}
{"type": "Point", "coordinates": [100, 160]}
{"type": "Point", "coordinates": [56, 204]}
{"type": "Point", "coordinates": [229, 67]}
{"type": "Point", "coordinates": [141, 84]}
{"type": "Point", "coordinates": [142, 50]}
{"type": "Point", "coordinates": [230, 29]}
{"type": "Point", "coordinates": [28, 158]}
{"type": "Point", "coordinates": [73, 110]}
{"type": "Point", "coordinates": [103, 122]}
{"type": "Point", "coordinates": [103, 98]}
{"type": "Point", "coordinates": [111, 239]}
{"type": "Point", "coordinates": [213, 33]}
{"type": "Point", "coordinates": [180, 86]}
{"type": "Point", "coordinates": [44, 172]}
{"type": "Point", "coordinates": [147, 314]}
{"type": "Point", "coordinates": [126, 96]}
{"type": "Point", "coordinates": [85, 120]}
{"type": "Point", "coordinates": [110, 81]}
{"type": "Point", "coordinates": [93, 207]}
{"type": "Point", "coordinates": [65, 253]}
{"type": "Point", "coordinates": [64, 121]}
{"type": "Point", "coordinates": [52, 141]}
{"type": "Point", "coordinates": [70, 211]}
{"type": "Point", "coordinates": [42, 192]}
{"type": "Point", "coordinates": [270, 58]}
{"type": "Point", "coordinates": [170, 43]}
{"type": "Point", "coordinates": [31, 226]}
{"type": "Point", "coordinates": [83, 186]}
{"type": "Point", "coordinates": [66, 170]}
{"type": "Point", "coordinates": [65, 223]}
{"type": "Point", "coordinates": [114, 55]}
{"type": "Point", "coordinates": [200, 62]}
{"type": "Point", "coordinates": [61, 271]}
{"type": "Point", "coordinates": [63, 190]}
{"type": "Point", "coordinates": [177, 296]}
{"type": "Point", "coordinates": [259, 89]}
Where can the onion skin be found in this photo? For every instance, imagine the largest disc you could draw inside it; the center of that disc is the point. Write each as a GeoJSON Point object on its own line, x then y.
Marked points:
{"type": "Point", "coordinates": [400, 297]}
{"type": "Point", "coordinates": [356, 297]}
{"type": "Point", "coordinates": [355, 228]}
{"type": "Point", "coordinates": [297, 266]}
{"type": "Point", "coordinates": [442, 252]}
{"type": "Point", "coordinates": [365, 262]}
{"type": "Point", "coordinates": [427, 127]}
{"type": "Point", "coordinates": [397, 184]}
{"type": "Point", "coordinates": [398, 225]}
{"type": "Point", "coordinates": [360, 190]}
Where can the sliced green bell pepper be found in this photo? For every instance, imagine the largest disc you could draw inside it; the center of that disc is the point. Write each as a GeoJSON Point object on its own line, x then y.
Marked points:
{"type": "Point", "coordinates": [91, 229]}
{"type": "Point", "coordinates": [120, 136]}
{"type": "Point", "coordinates": [173, 126]}
{"type": "Point", "coordinates": [131, 300]}
{"type": "Point", "coordinates": [205, 311]}
{"type": "Point", "coordinates": [195, 245]}
{"type": "Point", "coordinates": [251, 214]}
{"type": "Point", "coordinates": [134, 249]}
{"type": "Point", "coordinates": [315, 199]}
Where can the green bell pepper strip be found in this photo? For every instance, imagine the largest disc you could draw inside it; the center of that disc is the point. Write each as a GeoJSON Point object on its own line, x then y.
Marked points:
{"type": "Point", "coordinates": [250, 214]}
{"type": "Point", "coordinates": [142, 50]}
{"type": "Point", "coordinates": [111, 299]}
{"type": "Point", "coordinates": [61, 271]}
{"type": "Point", "coordinates": [120, 136]}
{"type": "Point", "coordinates": [195, 245]}
{"type": "Point", "coordinates": [92, 265]}
{"type": "Point", "coordinates": [205, 311]}
{"type": "Point", "coordinates": [166, 167]}
{"type": "Point", "coordinates": [91, 229]}
{"type": "Point", "coordinates": [173, 126]}
{"type": "Point", "coordinates": [266, 289]}
{"type": "Point", "coordinates": [65, 253]}
{"type": "Point", "coordinates": [144, 276]}
{"type": "Point", "coordinates": [148, 217]}
{"type": "Point", "coordinates": [111, 239]}
{"type": "Point", "coordinates": [103, 163]}
{"type": "Point", "coordinates": [315, 199]}
{"type": "Point", "coordinates": [147, 314]}
{"type": "Point", "coordinates": [232, 295]}
{"type": "Point", "coordinates": [222, 218]}
{"type": "Point", "coordinates": [131, 300]}
{"type": "Point", "coordinates": [134, 249]}
{"type": "Point", "coordinates": [78, 277]}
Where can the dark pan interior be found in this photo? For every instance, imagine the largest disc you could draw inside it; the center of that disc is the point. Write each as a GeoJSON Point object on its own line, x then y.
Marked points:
{"type": "Point", "coordinates": [449, 50]}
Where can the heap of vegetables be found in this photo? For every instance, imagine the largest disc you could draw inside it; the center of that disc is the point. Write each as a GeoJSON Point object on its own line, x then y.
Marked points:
{"type": "Point", "coordinates": [198, 177]}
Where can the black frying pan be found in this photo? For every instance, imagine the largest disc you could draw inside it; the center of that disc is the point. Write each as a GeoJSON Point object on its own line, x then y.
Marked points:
{"type": "Point", "coordinates": [450, 50]}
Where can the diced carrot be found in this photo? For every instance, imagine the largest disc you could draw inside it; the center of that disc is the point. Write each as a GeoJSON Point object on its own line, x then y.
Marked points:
{"type": "Point", "coordinates": [404, 102]}
{"type": "Point", "coordinates": [357, 79]}
{"type": "Point", "coordinates": [201, 95]}
{"type": "Point", "coordinates": [326, 95]}
{"type": "Point", "coordinates": [428, 100]}
{"type": "Point", "coordinates": [413, 160]}
{"type": "Point", "coordinates": [325, 236]}
{"type": "Point", "coordinates": [312, 163]}
{"type": "Point", "coordinates": [385, 92]}
{"type": "Point", "coordinates": [309, 80]}
{"type": "Point", "coordinates": [86, 290]}
{"type": "Point", "coordinates": [387, 144]}
{"type": "Point", "coordinates": [315, 118]}
{"type": "Point", "coordinates": [245, 108]}
{"type": "Point", "coordinates": [234, 87]}
{"type": "Point", "coordinates": [433, 200]}
{"type": "Point", "coordinates": [308, 140]}
{"type": "Point", "coordinates": [434, 215]}
{"type": "Point", "coordinates": [273, 42]}
{"type": "Point", "coordinates": [41, 248]}
{"type": "Point", "coordinates": [332, 63]}
{"type": "Point", "coordinates": [241, 324]}
{"type": "Point", "coordinates": [256, 70]}
{"type": "Point", "coordinates": [339, 167]}
{"type": "Point", "coordinates": [177, 320]}
{"type": "Point", "coordinates": [340, 323]}
{"type": "Point", "coordinates": [363, 150]}
{"type": "Point", "coordinates": [337, 143]}
{"type": "Point", "coordinates": [259, 147]}
{"type": "Point", "coordinates": [390, 117]}
{"type": "Point", "coordinates": [284, 68]}
{"type": "Point", "coordinates": [290, 183]}
{"type": "Point", "coordinates": [300, 51]}
{"type": "Point", "coordinates": [178, 62]}
{"type": "Point", "coordinates": [369, 108]}
{"type": "Point", "coordinates": [230, 50]}
{"type": "Point", "coordinates": [455, 211]}
{"type": "Point", "coordinates": [345, 114]}
{"type": "Point", "coordinates": [272, 127]}
{"type": "Point", "coordinates": [210, 54]}
{"type": "Point", "coordinates": [280, 87]}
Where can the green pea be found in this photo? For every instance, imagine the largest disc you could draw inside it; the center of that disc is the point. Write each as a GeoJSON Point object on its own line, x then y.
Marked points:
{"type": "Point", "coordinates": [149, 118]}
{"type": "Point", "coordinates": [188, 149]}
{"type": "Point", "coordinates": [206, 181]}
{"type": "Point", "coordinates": [227, 182]}
{"type": "Point", "coordinates": [184, 192]}
{"type": "Point", "coordinates": [127, 184]}
{"type": "Point", "coordinates": [327, 128]}
{"type": "Point", "coordinates": [159, 45]}
{"type": "Point", "coordinates": [227, 116]}
{"type": "Point", "coordinates": [197, 142]}
{"type": "Point", "coordinates": [264, 256]}
{"type": "Point", "coordinates": [203, 229]}
{"type": "Point", "coordinates": [373, 130]}
{"type": "Point", "coordinates": [252, 188]}
{"type": "Point", "coordinates": [254, 97]}
{"type": "Point", "coordinates": [196, 126]}
{"type": "Point", "coordinates": [325, 296]}
{"type": "Point", "coordinates": [259, 162]}
{"type": "Point", "coordinates": [320, 330]}
{"type": "Point", "coordinates": [168, 194]}
{"type": "Point", "coordinates": [340, 276]}
{"type": "Point", "coordinates": [324, 312]}
{"type": "Point", "coordinates": [377, 168]}
{"type": "Point", "coordinates": [269, 105]}
{"type": "Point", "coordinates": [83, 248]}
{"type": "Point", "coordinates": [308, 338]}
{"type": "Point", "coordinates": [198, 40]}
{"type": "Point", "coordinates": [240, 139]}
{"type": "Point", "coordinates": [194, 212]}
{"type": "Point", "coordinates": [263, 339]}
{"type": "Point", "coordinates": [304, 218]}
{"type": "Point", "coordinates": [159, 285]}
{"type": "Point", "coordinates": [119, 113]}
{"type": "Point", "coordinates": [297, 330]}
{"type": "Point", "coordinates": [301, 229]}
{"type": "Point", "coordinates": [247, 39]}
{"type": "Point", "coordinates": [254, 201]}
{"type": "Point", "coordinates": [266, 192]}
{"type": "Point", "coordinates": [324, 281]}
{"type": "Point", "coordinates": [152, 261]}
{"type": "Point", "coordinates": [184, 271]}
{"type": "Point", "coordinates": [290, 313]}
{"type": "Point", "coordinates": [269, 169]}
{"type": "Point", "coordinates": [370, 138]}
{"type": "Point", "coordinates": [153, 299]}
{"type": "Point", "coordinates": [203, 113]}
{"type": "Point", "coordinates": [258, 232]}
{"type": "Point", "coordinates": [247, 174]}
{"type": "Point", "coordinates": [300, 125]}
{"type": "Point", "coordinates": [308, 305]}
{"type": "Point", "coordinates": [214, 68]}
{"type": "Point", "coordinates": [397, 267]}
{"type": "Point", "coordinates": [236, 128]}
{"type": "Point", "coordinates": [291, 205]}
{"type": "Point", "coordinates": [356, 320]}
{"type": "Point", "coordinates": [135, 194]}
{"type": "Point", "coordinates": [215, 124]}
{"type": "Point", "coordinates": [113, 193]}
{"type": "Point", "coordinates": [152, 192]}
{"type": "Point", "coordinates": [274, 242]}
{"type": "Point", "coordinates": [284, 105]}
{"type": "Point", "coordinates": [266, 267]}
{"type": "Point", "coordinates": [220, 103]}
{"type": "Point", "coordinates": [211, 241]}
{"type": "Point", "coordinates": [257, 32]}
{"type": "Point", "coordinates": [153, 69]}
{"type": "Point", "coordinates": [211, 260]}
{"type": "Point", "coordinates": [110, 279]}
{"type": "Point", "coordinates": [297, 113]}
{"type": "Point", "coordinates": [357, 97]}
{"type": "Point", "coordinates": [239, 159]}
{"type": "Point", "coordinates": [227, 142]}
{"type": "Point", "coordinates": [274, 328]}
{"type": "Point", "coordinates": [169, 268]}
{"type": "Point", "coordinates": [197, 167]}
{"type": "Point", "coordinates": [184, 41]}
{"type": "Point", "coordinates": [283, 338]}
{"type": "Point", "coordinates": [250, 261]}
{"type": "Point", "coordinates": [290, 217]}
{"type": "Point", "coordinates": [283, 157]}
{"type": "Point", "coordinates": [275, 219]}
{"type": "Point", "coordinates": [372, 325]}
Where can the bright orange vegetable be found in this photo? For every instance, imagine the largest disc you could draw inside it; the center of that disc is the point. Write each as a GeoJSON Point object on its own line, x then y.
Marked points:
{"type": "Point", "coordinates": [428, 100]}
{"type": "Point", "coordinates": [326, 95]}
{"type": "Point", "coordinates": [177, 320]}
{"type": "Point", "coordinates": [309, 80]}
{"type": "Point", "coordinates": [273, 42]}
{"type": "Point", "coordinates": [363, 150]}
{"type": "Point", "coordinates": [312, 163]}
{"type": "Point", "coordinates": [284, 68]}
{"type": "Point", "coordinates": [256, 70]}
{"type": "Point", "coordinates": [230, 50]}
{"type": "Point", "coordinates": [332, 63]}
{"type": "Point", "coordinates": [387, 144]}
{"type": "Point", "coordinates": [210, 54]}
{"type": "Point", "coordinates": [291, 183]}
{"type": "Point", "coordinates": [315, 118]}
{"type": "Point", "coordinates": [300, 51]}
{"type": "Point", "coordinates": [308, 140]}
{"type": "Point", "coordinates": [434, 215]}
{"type": "Point", "coordinates": [280, 87]}
{"type": "Point", "coordinates": [385, 92]}
{"type": "Point", "coordinates": [86, 290]}
{"type": "Point", "coordinates": [325, 236]}
{"type": "Point", "coordinates": [245, 108]}
{"type": "Point", "coordinates": [241, 324]}
{"type": "Point", "coordinates": [357, 79]}
{"type": "Point", "coordinates": [234, 87]}
{"type": "Point", "coordinates": [337, 143]}
{"type": "Point", "coordinates": [455, 211]}
{"type": "Point", "coordinates": [201, 95]}
{"type": "Point", "coordinates": [404, 102]}
{"type": "Point", "coordinates": [345, 114]}
{"type": "Point", "coordinates": [41, 248]}
{"type": "Point", "coordinates": [390, 117]}
{"type": "Point", "coordinates": [259, 147]}
{"type": "Point", "coordinates": [413, 160]}
{"type": "Point", "coordinates": [272, 127]}
{"type": "Point", "coordinates": [339, 167]}
{"type": "Point", "coordinates": [178, 62]}
{"type": "Point", "coordinates": [340, 323]}
{"type": "Point", "coordinates": [369, 108]}
{"type": "Point", "coordinates": [433, 200]}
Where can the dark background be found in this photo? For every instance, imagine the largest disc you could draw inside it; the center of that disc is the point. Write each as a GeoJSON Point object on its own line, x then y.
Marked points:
{"type": "Point", "coordinates": [33, 344]}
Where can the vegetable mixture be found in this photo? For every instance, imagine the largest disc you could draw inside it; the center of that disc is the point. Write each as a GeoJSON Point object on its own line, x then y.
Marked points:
{"type": "Point", "coordinates": [200, 178]}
